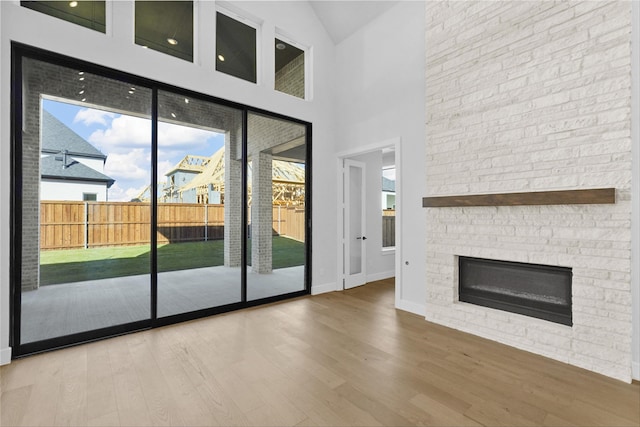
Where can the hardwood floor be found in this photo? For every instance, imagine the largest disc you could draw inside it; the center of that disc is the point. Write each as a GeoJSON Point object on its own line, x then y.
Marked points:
{"type": "Point", "coordinates": [343, 358]}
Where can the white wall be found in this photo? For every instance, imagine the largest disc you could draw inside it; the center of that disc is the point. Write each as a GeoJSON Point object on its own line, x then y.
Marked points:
{"type": "Point", "coordinates": [5, 179]}
{"type": "Point", "coordinates": [380, 96]}
{"type": "Point", "coordinates": [95, 164]}
{"type": "Point", "coordinates": [71, 190]}
{"type": "Point", "coordinates": [117, 50]}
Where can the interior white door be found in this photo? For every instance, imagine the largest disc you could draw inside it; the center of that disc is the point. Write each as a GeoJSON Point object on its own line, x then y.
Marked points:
{"type": "Point", "coordinates": [355, 253]}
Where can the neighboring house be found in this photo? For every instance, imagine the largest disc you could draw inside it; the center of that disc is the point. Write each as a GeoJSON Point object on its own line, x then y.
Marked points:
{"type": "Point", "coordinates": [388, 193]}
{"type": "Point", "coordinates": [183, 174]}
{"type": "Point", "coordinates": [70, 167]}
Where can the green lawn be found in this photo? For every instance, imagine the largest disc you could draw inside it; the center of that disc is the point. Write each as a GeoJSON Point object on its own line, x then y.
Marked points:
{"type": "Point", "coordinates": [75, 265]}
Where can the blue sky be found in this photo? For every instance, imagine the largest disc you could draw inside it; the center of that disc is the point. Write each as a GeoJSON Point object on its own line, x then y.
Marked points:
{"type": "Point", "coordinates": [126, 141]}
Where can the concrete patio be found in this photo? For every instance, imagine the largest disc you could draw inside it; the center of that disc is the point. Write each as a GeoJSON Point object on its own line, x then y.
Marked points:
{"type": "Point", "coordinates": [58, 310]}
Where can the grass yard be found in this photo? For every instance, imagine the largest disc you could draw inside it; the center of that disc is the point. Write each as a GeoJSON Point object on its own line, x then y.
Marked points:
{"type": "Point", "coordinates": [76, 265]}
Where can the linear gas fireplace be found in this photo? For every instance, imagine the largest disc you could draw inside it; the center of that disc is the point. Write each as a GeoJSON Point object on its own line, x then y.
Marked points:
{"type": "Point", "coordinates": [534, 290]}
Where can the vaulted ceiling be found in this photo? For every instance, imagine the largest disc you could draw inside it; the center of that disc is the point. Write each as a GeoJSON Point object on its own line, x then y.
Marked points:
{"type": "Point", "coordinates": [343, 18]}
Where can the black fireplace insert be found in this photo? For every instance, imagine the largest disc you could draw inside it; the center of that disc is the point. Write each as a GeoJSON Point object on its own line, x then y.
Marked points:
{"type": "Point", "coordinates": [535, 290]}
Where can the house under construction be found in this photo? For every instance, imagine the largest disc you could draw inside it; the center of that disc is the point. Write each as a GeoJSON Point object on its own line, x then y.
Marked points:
{"type": "Point", "coordinates": [200, 179]}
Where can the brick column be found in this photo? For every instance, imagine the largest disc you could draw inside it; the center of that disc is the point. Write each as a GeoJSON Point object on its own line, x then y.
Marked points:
{"type": "Point", "coordinates": [261, 213]}
{"type": "Point", "coordinates": [31, 188]}
{"type": "Point", "coordinates": [232, 198]}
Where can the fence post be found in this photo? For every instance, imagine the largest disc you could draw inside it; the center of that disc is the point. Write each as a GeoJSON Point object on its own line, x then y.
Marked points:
{"type": "Point", "coordinates": [86, 225]}
{"type": "Point", "coordinates": [279, 222]}
{"type": "Point", "coordinates": [206, 223]}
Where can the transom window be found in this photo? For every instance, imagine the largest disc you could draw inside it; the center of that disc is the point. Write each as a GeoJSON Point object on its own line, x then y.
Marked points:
{"type": "Point", "coordinates": [90, 14]}
{"type": "Point", "coordinates": [236, 48]}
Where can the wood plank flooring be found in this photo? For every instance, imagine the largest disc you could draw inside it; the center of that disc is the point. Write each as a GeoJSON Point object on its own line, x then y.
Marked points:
{"type": "Point", "coordinates": [344, 358]}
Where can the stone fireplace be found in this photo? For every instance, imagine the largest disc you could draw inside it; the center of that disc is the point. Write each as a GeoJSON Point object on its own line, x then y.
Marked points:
{"type": "Point", "coordinates": [532, 98]}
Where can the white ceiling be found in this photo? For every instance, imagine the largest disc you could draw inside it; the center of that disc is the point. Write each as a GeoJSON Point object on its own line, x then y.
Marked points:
{"type": "Point", "coordinates": [341, 18]}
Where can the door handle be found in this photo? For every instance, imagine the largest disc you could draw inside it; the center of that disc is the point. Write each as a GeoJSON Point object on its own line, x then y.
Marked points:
{"type": "Point", "coordinates": [363, 238]}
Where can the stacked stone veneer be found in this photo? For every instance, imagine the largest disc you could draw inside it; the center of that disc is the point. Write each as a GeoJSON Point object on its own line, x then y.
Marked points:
{"type": "Point", "coordinates": [533, 96]}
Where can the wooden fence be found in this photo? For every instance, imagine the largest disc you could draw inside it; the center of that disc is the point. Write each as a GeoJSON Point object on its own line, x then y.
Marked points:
{"type": "Point", "coordinates": [388, 228]}
{"type": "Point", "coordinates": [69, 225]}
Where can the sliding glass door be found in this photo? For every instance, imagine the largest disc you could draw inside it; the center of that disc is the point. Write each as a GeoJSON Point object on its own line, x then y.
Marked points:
{"type": "Point", "coordinates": [137, 205]}
{"type": "Point", "coordinates": [276, 198]}
{"type": "Point", "coordinates": [85, 146]}
{"type": "Point", "coordinates": [199, 189]}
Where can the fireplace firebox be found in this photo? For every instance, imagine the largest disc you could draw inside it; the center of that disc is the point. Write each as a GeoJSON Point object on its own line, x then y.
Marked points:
{"type": "Point", "coordinates": [535, 290]}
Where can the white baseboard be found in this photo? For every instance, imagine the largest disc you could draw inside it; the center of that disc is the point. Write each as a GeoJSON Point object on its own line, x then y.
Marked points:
{"type": "Point", "coordinates": [5, 356]}
{"type": "Point", "coordinates": [380, 276]}
{"type": "Point", "coordinates": [635, 370]}
{"type": "Point", "coordinates": [412, 307]}
{"type": "Point", "coordinates": [324, 288]}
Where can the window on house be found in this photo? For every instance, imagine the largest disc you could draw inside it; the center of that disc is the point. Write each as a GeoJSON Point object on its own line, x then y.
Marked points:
{"type": "Point", "coordinates": [289, 69]}
{"type": "Point", "coordinates": [89, 197]}
{"type": "Point", "coordinates": [388, 207]}
{"type": "Point", "coordinates": [236, 48]}
{"type": "Point", "coordinates": [165, 26]}
{"type": "Point", "coordinates": [90, 14]}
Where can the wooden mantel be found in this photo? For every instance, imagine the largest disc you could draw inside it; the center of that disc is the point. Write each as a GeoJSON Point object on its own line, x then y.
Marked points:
{"type": "Point", "coordinates": [563, 197]}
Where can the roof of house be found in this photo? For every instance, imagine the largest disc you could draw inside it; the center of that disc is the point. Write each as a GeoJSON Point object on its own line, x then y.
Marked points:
{"type": "Point", "coordinates": [52, 167]}
{"type": "Point", "coordinates": [388, 185]}
{"type": "Point", "coordinates": [57, 137]}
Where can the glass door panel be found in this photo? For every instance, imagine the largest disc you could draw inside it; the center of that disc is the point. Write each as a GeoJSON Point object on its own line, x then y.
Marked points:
{"type": "Point", "coordinates": [85, 234]}
{"type": "Point", "coordinates": [199, 204]}
{"type": "Point", "coordinates": [276, 188]}
{"type": "Point", "coordinates": [355, 239]}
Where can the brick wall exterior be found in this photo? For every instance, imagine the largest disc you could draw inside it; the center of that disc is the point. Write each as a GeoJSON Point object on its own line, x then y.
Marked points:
{"type": "Point", "coordinates": [290, 78]}
{"type": "Point", "coordinates": [531, 96]}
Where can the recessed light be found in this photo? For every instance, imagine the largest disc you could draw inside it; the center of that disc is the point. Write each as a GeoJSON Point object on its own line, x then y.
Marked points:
{"type": "Point", "coordinates": [220, 58]}
{"type": "Point", "coordinates": [81, 78]}
{"type": "Point", "coordinates": [131, 92]}
{"type": "Point", "coordinates": [186, 100]}
{"type": "Point", "coordinates": [80, 73]}
{"type": "Point", "coordinates": [73, 3]}
{"type": "Point", "coordinates": [172, 41]}
{"type": "Point", "coordinates": [173, 115]}
{"type": "Point", "coordinates": [84, 99]}
{"type": "Point", "coordinates": [81, 92]}
{"type": "Point", "coordinates": [281, 46]}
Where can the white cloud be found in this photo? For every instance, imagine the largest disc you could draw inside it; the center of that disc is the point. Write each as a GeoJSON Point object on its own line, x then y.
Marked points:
{"type": "Point", "coordinates": [130, 166]}
{"type": "Point", "coordinates": [163, 168]}
{"type": "Point", "coordinates": [124, 132]}
{"type": "Point", "coordinates": [174, 137]}
{"type": "Point", "coordinates": [127, 132]}
{"type": "Point", "coordinates": [119, 194]}
{"type": "Point", "coordinates": [89, 116]}
{"type": "Point", "coordinates": [389, 173]}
